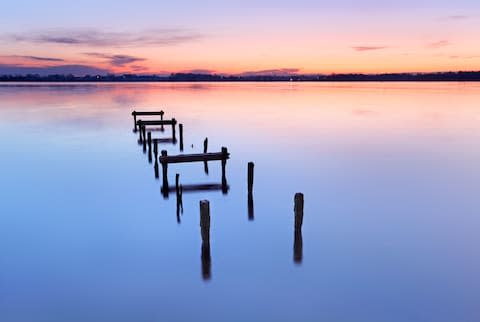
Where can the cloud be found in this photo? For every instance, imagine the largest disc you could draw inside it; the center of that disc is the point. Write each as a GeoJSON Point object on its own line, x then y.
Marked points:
{"type": "Point", "coordinates": [457, 17]}
{"type": "Point", "coordinates": [37, 58]}
{"type": "Point", "coordinates": [368, 48]}
{"type": "Point", "coordinates": [97, 38]}
{"type": "Point", "coordinates": [117, 60]}
{"type": "Point", "coordinates": [438, 44]}
{"type": "Point", "coordinates": [272, 72]}
{"type": "Point", "coordinates": [198, 71]}
{"type": "Point", "coordinates": [77, 70]}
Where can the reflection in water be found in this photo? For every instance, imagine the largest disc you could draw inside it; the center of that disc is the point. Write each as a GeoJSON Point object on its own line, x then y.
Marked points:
{"type": "Point", "coordinates": [251, 215]}
{"type": "Point", "coordinates": [179, 193]}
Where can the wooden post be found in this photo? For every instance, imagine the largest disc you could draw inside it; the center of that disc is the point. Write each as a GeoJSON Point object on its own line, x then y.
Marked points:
{"type": "Point", "coordinates": [155, 149]}
{"type": "Point", "coordinates": [155, 167]}
{"type": "Point", "coordinates": [135, 121]}
{"type": "Point", "coordinates": [224, 176]}
{"type": "Point", "coordinates": [251, 166]}
{"type": "Point", "coordinates": [298, 239]}
{"type": "Point", "coordinates": [144, 138]}
{"type": "Point", "coordinates": [205, 233]}
{"type": "Point", "coordinates": [149, 141]}
{"type": "Point", "coordinates": [161, 119]}
{"type": "Point", "coordinates": [180, 127]}
{"type": "Point", "coordinates": [205, 145]}
{"type": "Point", "coordinates": [140, 134]}
{"type": "Point", "coordinates": [165, 176]}
{"type": "Point", "coordinates": [298, 211]}
{"type": "Point", "coordinates": [174, 125]}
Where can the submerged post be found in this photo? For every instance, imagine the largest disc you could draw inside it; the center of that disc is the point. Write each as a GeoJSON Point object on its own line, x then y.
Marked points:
{"type": "Point", "coordinates": [134, 113]}
{"type": "Point", "coordinates": [155, 153]}
{"type": "Point", "coordinates": [179, 193]}
{"type": "Point", "coordinates": [224, 176]}
{"type": "Point", "coordinates": [161, 119]}
{"type": "Point", "coordinates": [251, 166]}
{"type": "Point", "coordinates": [298, 239]}
{"type": "Point", "coordinates": [144, 138]}
{"type": "Point", "coordinates": [165, 175]}
{"type": "Point", "coordinates": [205, 233]}
{"type": "Point", "coordinates": [180, 128]}
{"type": "Point", "coordinates": [149, 141]}
{"type": "Point", "coordinates": [140, 140]}
{"type": "Point", "coordinates": [205, 145]}
{"type": "Point", "coordinates": [174, 125]}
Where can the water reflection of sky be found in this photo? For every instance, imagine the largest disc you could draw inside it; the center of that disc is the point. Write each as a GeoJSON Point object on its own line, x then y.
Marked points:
{"type": "Point", "coordinates": [389, 173]}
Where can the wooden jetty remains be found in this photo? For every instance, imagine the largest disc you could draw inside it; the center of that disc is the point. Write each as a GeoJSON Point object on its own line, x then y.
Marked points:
{"type": "Point", "coordinates": [166, 159]}
{"type": "Point", "coordinates": [298, 239]}
{"type": "Point", "coordinates": [135, 114]}
{"type": "Point", "coordinates": [143, 124]}
{"type": "Point", "coordinates": [205, 233]}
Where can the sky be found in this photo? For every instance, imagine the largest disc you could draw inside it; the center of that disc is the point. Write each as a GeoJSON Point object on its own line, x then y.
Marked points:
{"type": "Point", "coordinates": [239, 37]}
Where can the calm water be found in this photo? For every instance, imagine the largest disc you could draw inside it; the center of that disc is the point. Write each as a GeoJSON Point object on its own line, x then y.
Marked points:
{"type": "Point", "coordinates": [390, 173]}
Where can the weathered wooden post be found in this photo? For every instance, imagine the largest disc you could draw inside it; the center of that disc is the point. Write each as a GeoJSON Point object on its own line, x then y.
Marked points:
{"type": "Point", "coordinates": [205, 233]}
{"type": "Point", "coordinates": [251, 166]}
{"type": "Point", "coordinates": [149, 141]}
{"type": "Point", "coordinates": [298, 239]}
{"type": "Point", "coordinates": [174, 125]}
{"type": "Point", "coordinates": [134, 113]}
{"type": "Point", "coordinates": [144, 138]}
{"type": "Point", "coordinates": [139, 133]}
{"type": "Point", "coordinates": [155, 153]}
{"type": "Point", "coordinates": [161, 119]}
{"type": "Point", "coordinates": [180, 128]}
{"type": "Point", "coordinates": [224, 176]}
{"type": "Point", "coordinates": [165, 175]}
{"type": "Point", "coordinates": [205, 145]}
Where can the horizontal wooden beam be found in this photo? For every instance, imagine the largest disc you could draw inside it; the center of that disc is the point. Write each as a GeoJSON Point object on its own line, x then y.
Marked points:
{"type": "Point", "coordinates": [149, 123]}
{"type": "Point", "coordinates": [182, 158]}
{"type": "Point", "coordinates": [148, 113]}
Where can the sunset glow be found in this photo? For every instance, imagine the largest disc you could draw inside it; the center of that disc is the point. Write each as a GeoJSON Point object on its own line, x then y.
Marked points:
{"type": "Point", "coordinates": [271, 37]}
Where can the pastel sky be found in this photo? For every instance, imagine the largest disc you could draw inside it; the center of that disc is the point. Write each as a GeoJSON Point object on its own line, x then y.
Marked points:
{"type": "Point", "coordinates": [236, 37]}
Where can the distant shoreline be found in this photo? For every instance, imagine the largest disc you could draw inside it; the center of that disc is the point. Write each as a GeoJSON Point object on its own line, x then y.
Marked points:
{"type": "Point", "coordinates": [462, 76]}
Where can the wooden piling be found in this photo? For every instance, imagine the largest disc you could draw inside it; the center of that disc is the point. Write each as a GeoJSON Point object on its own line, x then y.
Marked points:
{"type": "Point", "coordinates": [174, 125]}
{"type": "Point", "coordinates": [165, 176]}
{"type": "Point", "coordinates": [135, 121]}
{"type": "Point", "coordinates": [298, 211]}
{"type": "Point", "coordinates": [205, 145]}
{"type": "Point", "coordinates": [251, 215]}
{"type": "Point", "coordinates": [224, 176]}
{"type": "Point", "coordinates": [180, 128]}
{"type": "Point", "coordinates": [298, 239]}
{"type": "Point", "coordinates": [205, 233]}
{"type": "Point", "coordinates": [251, 166]}
{"type": "Point", "coordinates": [149, 142]}
{"type": "Point", "coordinates": [144, 139]}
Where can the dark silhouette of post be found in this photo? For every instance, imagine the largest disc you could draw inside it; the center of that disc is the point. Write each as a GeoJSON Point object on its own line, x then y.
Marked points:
{"type": "Point", "coordinates": [205, 149]}
{"type": "Point", "coordinates": [251, 166]}
{"type": "Point", "coordinates": [205, 233]}
{"type": "Point", "coordinates": [224, 177]}
{"type": "Point", "coordinates": [161, 119]}
{"type": "Point", "coordinates": [135, 128]}
{"type": "Point", "coordinates": [149, 141]}
{"type": "Point", "coordinates": [165, 175]}
{"type": "Point", "coordinates": [174, 125]}
{"type": "Point", "coordinates": [180, 128]}
{"type": "Point", "coordinates": [144, 140]}
{"type": "Point", "coordinates": [298, 239]}
{"type": "Point", "coordinates": [155, 153]}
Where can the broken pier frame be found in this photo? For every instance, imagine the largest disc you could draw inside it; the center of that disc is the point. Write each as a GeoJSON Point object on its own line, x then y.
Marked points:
{"type": "Point", "coordinates": [135, 114]}
{"type": "Point", "coordinates": [165, 159]}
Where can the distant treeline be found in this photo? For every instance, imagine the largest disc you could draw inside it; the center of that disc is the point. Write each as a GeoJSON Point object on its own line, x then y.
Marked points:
{"type": "Point", "coordinates": [182, 77]}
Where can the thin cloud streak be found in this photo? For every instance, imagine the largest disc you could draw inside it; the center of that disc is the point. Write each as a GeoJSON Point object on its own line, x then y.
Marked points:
{"type": "Point", "coordinates": [97, 38]}
{"type": "Point", "coordinates": [368, 48]}
{"type": "Point", "coordinates": [117, 60]}
{"type": "Point", "coordinates": [272, 72]}
{"type": "Point", "coordinates": [438, 44]}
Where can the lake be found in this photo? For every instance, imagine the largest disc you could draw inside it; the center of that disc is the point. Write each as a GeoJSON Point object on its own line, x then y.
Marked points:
{"type": "Point", "coordinates": [390, 173]}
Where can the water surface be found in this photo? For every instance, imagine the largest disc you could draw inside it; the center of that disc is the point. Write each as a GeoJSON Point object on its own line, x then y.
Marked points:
{"type": "Point", "coordinates": [390, 173]}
